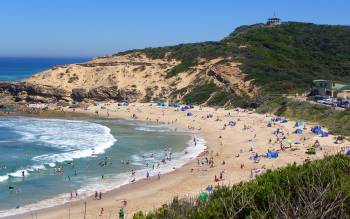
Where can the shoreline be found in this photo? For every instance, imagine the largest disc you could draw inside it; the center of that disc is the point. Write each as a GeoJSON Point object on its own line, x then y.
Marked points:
{"type": "Point", "coordinates": [184, 182]}
{"type": "Point", "coordinates": [179, 162]}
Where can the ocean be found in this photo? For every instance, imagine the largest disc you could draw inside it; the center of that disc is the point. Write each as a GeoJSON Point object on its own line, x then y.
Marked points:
{"type": "Point", "coordinates": [59, 156]}
{"type": "Point", "coordinates": [16, 69]}
{"type": "Point", "coordinates": [43, 160]}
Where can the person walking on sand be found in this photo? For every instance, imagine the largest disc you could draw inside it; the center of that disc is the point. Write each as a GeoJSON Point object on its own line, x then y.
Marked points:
{"type": "Point", "coordinates": [96, 194]}
{"type": "Point", "coordinates": [100, 196]}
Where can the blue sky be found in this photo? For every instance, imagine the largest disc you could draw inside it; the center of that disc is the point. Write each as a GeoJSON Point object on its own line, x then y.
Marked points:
{"type": "Point", "coordinates": [88, 28]}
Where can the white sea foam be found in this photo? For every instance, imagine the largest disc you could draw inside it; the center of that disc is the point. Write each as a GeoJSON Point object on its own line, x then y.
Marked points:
{"type": "Point", "coordinates": [73, 139]}
{"type": "Point", "coordinates": [154, 128]}
{"type": "Point", "coordinates": [110, 183]}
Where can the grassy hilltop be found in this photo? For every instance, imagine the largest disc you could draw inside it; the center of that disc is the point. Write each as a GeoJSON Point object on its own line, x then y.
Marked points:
{"type": "Point", "coordinates": [280, 59]}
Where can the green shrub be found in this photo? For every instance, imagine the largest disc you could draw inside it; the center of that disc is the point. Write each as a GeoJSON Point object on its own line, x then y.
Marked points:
{"type": "Point", "coordinates": [200, 93]}
{"type": "Point", "coordinates": [319, 189]}
{"type": "Point", "coordinates": [220, 98]}
{"type": "Point", "coordinates": [182, 67]}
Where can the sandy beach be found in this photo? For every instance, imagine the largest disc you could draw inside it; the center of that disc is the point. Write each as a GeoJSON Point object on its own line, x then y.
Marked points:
{"type": "Point", "coordinates": [232, 137]}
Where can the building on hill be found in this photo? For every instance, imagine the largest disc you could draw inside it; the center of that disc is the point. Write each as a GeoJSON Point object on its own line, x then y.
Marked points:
{"type": "Point", "coordinates": [331, 88]}
{"type": "Point", "coordinates": [274, 21]}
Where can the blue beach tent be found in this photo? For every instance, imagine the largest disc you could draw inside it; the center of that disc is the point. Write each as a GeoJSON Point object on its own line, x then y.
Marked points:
{"type": "Point", "coordinates": [317, 130]}
{"type": "Point", "coordinates": [161, 104]}
{"type": "Point", "coordinates": [299, 131]}
{"type": "Point", "coordinates": [184, 108]}
{"type": "Point", "coordinates": [277, 119]}
{"type": "Point", "coordinates": [174, 105]}
{"type": "Point", "coordinates": [299, 123]}
{"type": "Point", "coordinates": [272, 154]}
{"type": "Point", "coordinates": [324, 134]}
{"type": "Point", "coordinates": [189, 114]}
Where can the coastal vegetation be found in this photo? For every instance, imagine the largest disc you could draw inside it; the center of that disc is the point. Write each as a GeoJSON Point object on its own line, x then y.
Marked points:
{"type": "Point", "coordinates": [280, 59]}
{"type": "Point", "coordinates": [182, 67]}
{"type": "Point", "coordinates": [319, 189]}
{"type": "Point", "coordinates": [336, 121]}
{"type": "Point", "coordinates": [200, 93]}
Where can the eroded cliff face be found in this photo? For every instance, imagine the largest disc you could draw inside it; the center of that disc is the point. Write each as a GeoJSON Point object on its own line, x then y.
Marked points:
{"type": "Point", "coordinates": [25, 91]}
{"type": "Point", "coordinates": [127, 77]}
{"type": "Point", "coordinates": [132, 77]}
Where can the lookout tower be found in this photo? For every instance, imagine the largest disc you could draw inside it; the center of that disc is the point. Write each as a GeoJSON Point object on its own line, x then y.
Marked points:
{"type": "Point", "coordinates": [274, 21]}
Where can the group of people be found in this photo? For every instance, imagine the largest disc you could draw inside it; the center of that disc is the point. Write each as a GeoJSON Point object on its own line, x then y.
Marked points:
{"type": "Point", "coordinates": [98, 195]}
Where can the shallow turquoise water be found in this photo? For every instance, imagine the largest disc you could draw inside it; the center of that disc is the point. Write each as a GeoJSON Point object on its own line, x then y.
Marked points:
{"type": "Point", "coordinates": [81, 148]}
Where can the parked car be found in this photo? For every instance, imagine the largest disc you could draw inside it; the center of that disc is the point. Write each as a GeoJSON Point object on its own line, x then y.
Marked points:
{"type": "Point", "coordinates": [319, 97]}
{"type": "Point", "coordinates": [330, 101]}
{"type": "Point", "coordinates": [321, 101]}
{"type": "Point", "coordinates": [343, 103]}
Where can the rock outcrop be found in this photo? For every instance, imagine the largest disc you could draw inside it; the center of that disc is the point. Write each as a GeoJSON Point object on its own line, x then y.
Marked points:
{"type": "Point", "coordinates": [27, 91]}
{"type": "Point", "coordinates": [105, 93]}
